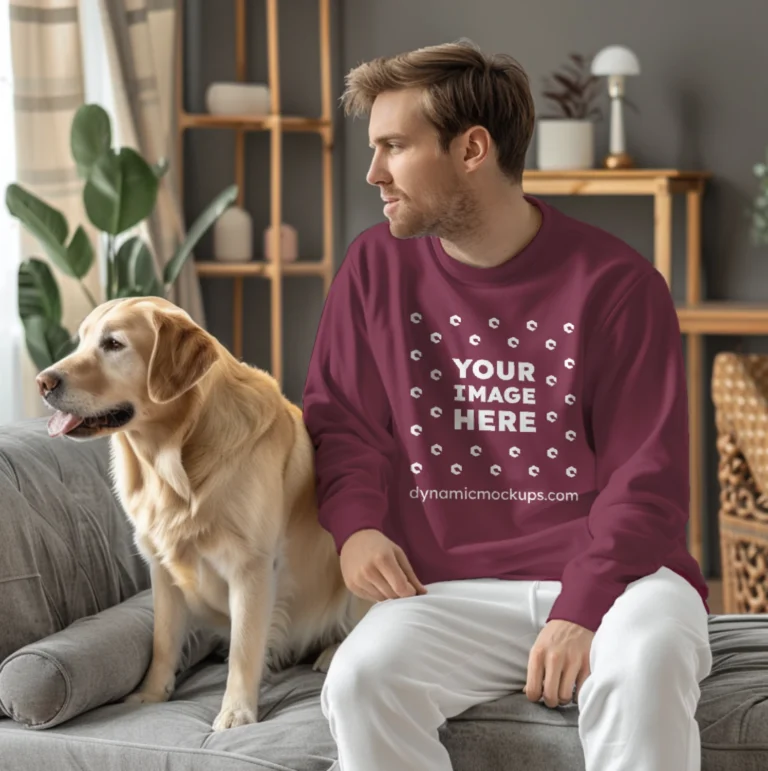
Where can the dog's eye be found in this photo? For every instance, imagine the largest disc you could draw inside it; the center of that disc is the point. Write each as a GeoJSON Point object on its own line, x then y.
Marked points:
{"type": "Point", "coordinates": [111, 344]}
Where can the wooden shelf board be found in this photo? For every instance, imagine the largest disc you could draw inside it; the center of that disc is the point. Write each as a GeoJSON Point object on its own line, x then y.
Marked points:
{"type": "Point", "coordinates": [610, 182]}
{"type": "Point", "coordinates": [257, 268]}
{"type": "Point", "coordinates": [617, 174]}
{"type": "Point", "coordinates": [724, 317]}
{"type": "Point", "coordinates": [253, 122]}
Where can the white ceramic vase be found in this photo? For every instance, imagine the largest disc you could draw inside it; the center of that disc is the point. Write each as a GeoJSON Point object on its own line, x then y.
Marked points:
{"type": "Point", "coordinates": [237, 99]}
{"type": "Point", "coordinates": [233, 236]}
{"type": "Point", "coordinates": [564, 143]}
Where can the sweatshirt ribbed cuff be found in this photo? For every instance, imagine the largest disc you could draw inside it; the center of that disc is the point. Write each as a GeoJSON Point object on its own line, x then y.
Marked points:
{"type": "Point", "coordinates": [585, 602]}
{"type": "Point", "coordinates": [342, 522]}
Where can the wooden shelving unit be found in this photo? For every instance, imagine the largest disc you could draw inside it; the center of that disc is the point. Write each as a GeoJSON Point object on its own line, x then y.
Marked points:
{"type": "Point", "coordinates": [697, 318]}
{"type": "Point", "coordinates": [277, 124]}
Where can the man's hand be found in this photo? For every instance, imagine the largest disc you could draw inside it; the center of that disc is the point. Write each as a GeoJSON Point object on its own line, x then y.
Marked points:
{"type": "Point", "coordinates": [559, 660]}
{"type": "Point", "coordinates": [375, 568]}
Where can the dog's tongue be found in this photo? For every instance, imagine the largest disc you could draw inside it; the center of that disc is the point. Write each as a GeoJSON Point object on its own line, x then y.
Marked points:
{"type": "Point", "coordinates": [62, 423]}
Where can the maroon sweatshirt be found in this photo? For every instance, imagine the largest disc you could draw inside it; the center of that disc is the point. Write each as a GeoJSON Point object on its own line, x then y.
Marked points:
{"type": "Point", "coordinates": [526, 421]}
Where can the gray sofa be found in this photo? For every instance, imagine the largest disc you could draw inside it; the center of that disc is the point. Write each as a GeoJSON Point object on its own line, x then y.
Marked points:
{"type": "Point", "coordinates": [75, 636]}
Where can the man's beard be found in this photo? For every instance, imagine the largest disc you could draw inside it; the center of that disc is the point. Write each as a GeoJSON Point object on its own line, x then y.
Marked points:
{"type": "Point", "coordinates": [453, 215]}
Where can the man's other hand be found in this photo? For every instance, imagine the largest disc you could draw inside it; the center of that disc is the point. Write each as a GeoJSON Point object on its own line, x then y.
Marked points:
{"type": "Point", "coordinates": [375, 568]}
{"type": "Point", "coordinates": [558, 663]}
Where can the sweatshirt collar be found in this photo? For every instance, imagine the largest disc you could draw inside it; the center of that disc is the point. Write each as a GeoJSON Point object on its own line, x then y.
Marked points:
{"type": "Point", "coordinates": [508, 270]}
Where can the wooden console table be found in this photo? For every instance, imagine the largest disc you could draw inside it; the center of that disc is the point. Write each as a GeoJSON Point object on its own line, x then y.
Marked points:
{"type": "Point", "coordinates": [697, 318]}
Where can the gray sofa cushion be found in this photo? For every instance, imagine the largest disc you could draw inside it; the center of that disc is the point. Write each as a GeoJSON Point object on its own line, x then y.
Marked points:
{"type": "Point", "coordinates": [96, 660]}
{"type": "Point", "coordinates": [733, 708]}
{"type": "Point", "coordinates": [66, 547]}
{"type": "Point", "coordinates": [292, 734]}
{"type": "Point", "coordinates": [509, 734]}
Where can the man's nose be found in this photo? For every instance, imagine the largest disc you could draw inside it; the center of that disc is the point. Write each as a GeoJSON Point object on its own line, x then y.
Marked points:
{"type": "Point", "coordinates": [377, 174]}
{"type": "Point", "coordinates": [48, 381]}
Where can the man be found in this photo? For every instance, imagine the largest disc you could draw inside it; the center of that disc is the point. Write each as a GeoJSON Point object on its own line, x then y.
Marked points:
{"type": "Point", "coordinates": [497, 398]}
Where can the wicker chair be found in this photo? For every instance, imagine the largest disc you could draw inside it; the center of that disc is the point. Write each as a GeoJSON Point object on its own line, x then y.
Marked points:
{"type": "Point", "coordinates": [740, 395]}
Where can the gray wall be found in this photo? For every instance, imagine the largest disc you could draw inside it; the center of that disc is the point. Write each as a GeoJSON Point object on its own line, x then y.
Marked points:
{"type": "Point", "coordinates": [702, 102]}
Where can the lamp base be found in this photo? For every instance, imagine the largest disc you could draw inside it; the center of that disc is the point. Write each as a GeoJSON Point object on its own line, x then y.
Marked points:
{"type": "Point", "coordinates": [618, 161]}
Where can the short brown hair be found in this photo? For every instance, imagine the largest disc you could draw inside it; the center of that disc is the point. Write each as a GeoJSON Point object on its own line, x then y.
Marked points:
{"type": "Point", "coordinates": [463, 87]}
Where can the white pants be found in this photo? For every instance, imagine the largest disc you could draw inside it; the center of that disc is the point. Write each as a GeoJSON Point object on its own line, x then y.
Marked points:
{"type": "Point", "coordinates": [414, 662]}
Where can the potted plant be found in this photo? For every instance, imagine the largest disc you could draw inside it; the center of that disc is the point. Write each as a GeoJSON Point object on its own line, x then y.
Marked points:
{"type": "Point", "coordinates": [119, 191]}
{"type": "Point", "coordinates": [566, 134]}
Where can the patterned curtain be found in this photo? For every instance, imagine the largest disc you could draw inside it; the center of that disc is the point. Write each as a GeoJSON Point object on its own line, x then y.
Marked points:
{"type": "Point", "coordinates": [48, 89]}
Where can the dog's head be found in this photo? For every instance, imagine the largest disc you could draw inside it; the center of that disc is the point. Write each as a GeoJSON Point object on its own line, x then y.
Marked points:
{"type": "Point", "coordinates": [135, 358]}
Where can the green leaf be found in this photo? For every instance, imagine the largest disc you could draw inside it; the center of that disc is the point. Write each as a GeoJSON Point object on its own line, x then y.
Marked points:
{"type": "Point", "coordinates": [569, 84]}
{"type": "Point", "coordinates": [67, 347]}
{"type": "Point", "coordinates": [131, 291]}
{"type": "Point", "coordinates": [121, 267]}
{"type": "Point", "coordinates": [50, 228]}
{"type": "Point", "coordinates": [90, 136]}
{"type": "Point", "coordinates": [212, 212]}
{"type": "Point", "coordinates": [37, 343]}
{"type": "Point", "coordinates": [111, 270]}
{"type": "Point", "coordinates": [120, 192]}
{"type": "Point", "coordinates": [45, 339]}
{"type": "Point", "coordinates": [47, 225]}
{"type": "Point", "coordinates": [80, 253]}
{"type": "Point", "coordinates": [58, 339]}
{"type": "Point", "coordinates": [160, 168]}
{"type": "Point", "coordinates": [38, 291]}
{"type": "Point", "coordinates": [136, 269]}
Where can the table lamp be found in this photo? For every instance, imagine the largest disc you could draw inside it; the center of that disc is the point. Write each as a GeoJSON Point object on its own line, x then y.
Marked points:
{"type": "Point", "coordinates": [616, 62]}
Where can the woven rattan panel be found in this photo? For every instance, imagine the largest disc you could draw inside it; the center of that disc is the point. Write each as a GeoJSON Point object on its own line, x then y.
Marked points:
{"type": "Point", "coordinates": [739, 389]}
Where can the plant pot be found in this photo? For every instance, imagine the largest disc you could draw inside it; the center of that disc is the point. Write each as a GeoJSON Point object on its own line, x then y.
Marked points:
{"type": "Point", "coordinates": [563, 143]}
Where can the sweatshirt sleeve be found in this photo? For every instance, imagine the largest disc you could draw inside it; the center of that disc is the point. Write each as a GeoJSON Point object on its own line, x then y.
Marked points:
{"type": "Point", "coordinates": [639, 425]}
{"type": "Point", "coordinates": [347, 414]}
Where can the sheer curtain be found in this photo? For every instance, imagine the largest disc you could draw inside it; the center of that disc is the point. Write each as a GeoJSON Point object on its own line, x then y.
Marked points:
{"type": "Point", "coordinates": [11, 336]}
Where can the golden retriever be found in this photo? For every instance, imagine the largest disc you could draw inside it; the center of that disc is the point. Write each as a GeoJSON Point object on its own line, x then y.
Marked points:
{"type": "Point", "coordinates": [214, 466]}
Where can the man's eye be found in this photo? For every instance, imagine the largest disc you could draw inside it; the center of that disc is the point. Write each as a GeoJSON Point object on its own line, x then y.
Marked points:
{"type": "Point", "coordinates": [111, 344]}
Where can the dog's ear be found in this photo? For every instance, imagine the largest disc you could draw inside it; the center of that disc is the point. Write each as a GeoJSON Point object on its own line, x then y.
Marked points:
{"type": "Point", "coordinates": [183, 353]}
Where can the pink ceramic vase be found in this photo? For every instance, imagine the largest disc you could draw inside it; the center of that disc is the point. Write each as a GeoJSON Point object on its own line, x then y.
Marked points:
{"type": "Point", "coordinates": [289, 244]}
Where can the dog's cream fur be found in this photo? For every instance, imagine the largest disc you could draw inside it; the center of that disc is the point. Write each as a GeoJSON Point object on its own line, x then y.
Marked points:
{"type": "Point", "coordinates": [216, 472]}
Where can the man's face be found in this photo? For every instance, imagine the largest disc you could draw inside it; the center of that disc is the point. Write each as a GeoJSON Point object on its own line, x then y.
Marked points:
{"type": "Point", "coordinates": [426, 190]}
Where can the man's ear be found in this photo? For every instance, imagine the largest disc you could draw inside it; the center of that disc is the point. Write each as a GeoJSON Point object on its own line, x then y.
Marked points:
{"type": "Point", "coordinates": [183, 353]}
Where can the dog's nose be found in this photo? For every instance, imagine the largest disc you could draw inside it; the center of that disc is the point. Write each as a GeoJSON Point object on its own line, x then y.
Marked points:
{"type": "Point", "coordinates": [48, 381]}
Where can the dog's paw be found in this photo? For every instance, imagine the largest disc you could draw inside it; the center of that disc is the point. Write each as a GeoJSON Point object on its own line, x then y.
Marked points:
{"type": "Point", "coordinates": [146, 697]}
{"type": "Point", "coordinates": [232, 717]}
{"type": "Point", "coordinates": [323, 661]}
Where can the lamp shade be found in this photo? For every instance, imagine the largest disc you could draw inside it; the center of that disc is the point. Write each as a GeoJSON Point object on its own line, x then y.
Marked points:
{"type": "Point", "coordinates": [615, 60]}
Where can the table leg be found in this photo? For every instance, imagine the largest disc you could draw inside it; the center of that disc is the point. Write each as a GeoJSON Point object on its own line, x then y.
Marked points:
{"type": "Point", "coordinates": [695, 373]}
{"type": "Point", "coordinates": [662, 251]}
{"type": "Point", "coordinates": [693, 245]}
{"type": "Point", "coordinates": [695, 358]}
